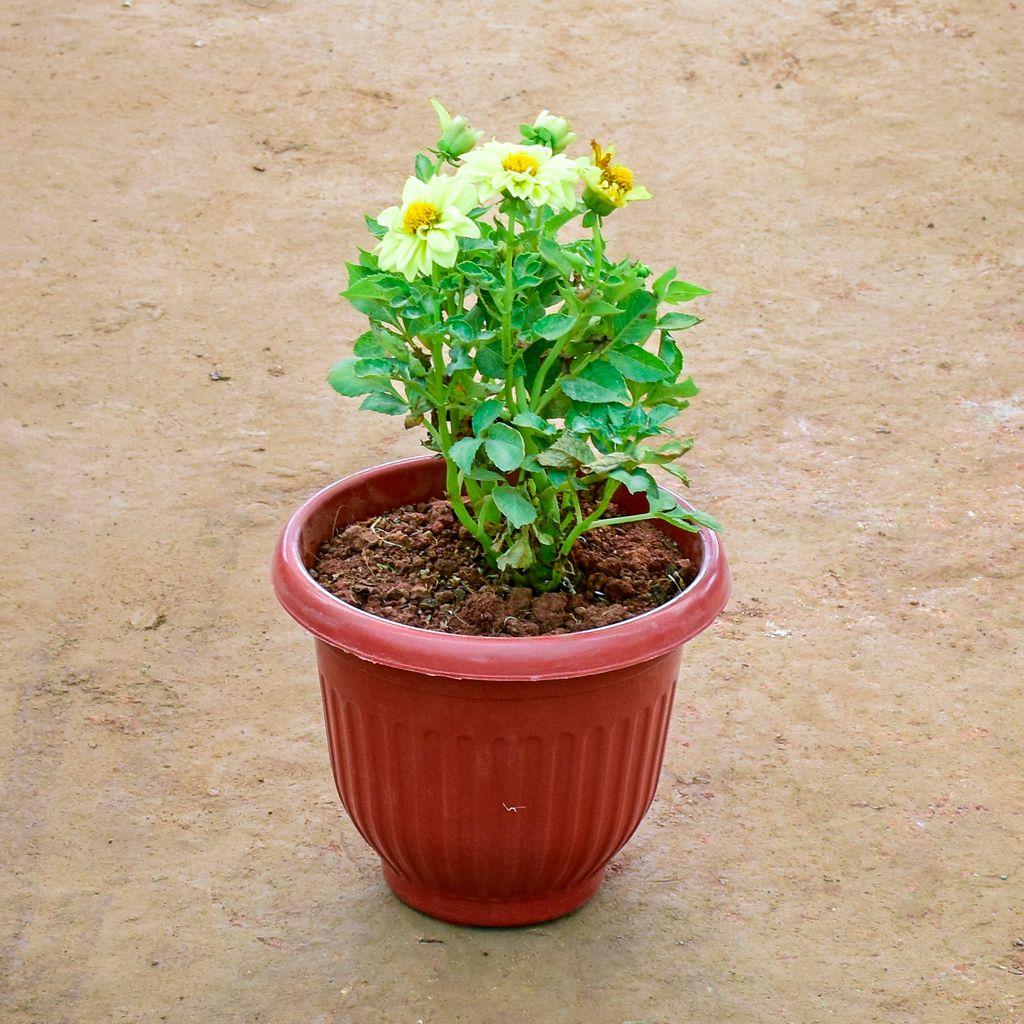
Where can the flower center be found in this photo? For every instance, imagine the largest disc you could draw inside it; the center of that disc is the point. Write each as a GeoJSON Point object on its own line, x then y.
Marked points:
{"type": "Point", "coordinates": [420, 215]}
{"type": "Point", "coordinates": [522, 163]}
{"type": "Point", "coordinates": [618, 177]}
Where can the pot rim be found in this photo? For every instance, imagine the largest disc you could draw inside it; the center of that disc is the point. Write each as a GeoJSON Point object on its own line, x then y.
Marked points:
{"type": "Point", "coordinates": [606, 648]}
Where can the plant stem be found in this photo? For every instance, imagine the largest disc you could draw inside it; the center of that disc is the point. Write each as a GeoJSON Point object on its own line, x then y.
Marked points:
{"type": "Point", "coordinates": [597, 250]}
{"type": "Point", "coordinates": [506, 311]}
{"type": "Point", "coordinates": [610, 487]}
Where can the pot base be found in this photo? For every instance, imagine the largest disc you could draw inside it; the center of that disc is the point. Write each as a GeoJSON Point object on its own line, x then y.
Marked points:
{"type": "Point", "coordinates": [492, 913]}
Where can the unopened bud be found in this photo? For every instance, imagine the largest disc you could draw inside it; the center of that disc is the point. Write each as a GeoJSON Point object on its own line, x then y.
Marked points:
{"type": "Point", "coordinates": [457, 137]}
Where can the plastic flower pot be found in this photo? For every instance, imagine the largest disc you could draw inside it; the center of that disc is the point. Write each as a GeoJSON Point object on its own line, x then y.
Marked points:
{"type": "Point", "coordinates": [495, 777]}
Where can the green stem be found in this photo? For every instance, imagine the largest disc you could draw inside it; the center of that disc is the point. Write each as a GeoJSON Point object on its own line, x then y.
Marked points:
{"type": "Point", "coordinates": [508, 299]}
{"type": "Point", "coordinates": [610, 487]}
{"type": "Point", "coordinates": [582, 320]}
{"type": "Point", "coordinates": [453, 485]}
{"type": "Point", "coordinates": [597, 251]}
{"type": "Point", "coordinates": [573, 370]}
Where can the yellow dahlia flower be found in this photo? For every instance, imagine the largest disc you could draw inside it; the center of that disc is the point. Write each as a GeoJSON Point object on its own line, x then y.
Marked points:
{"type": "Point", "coordinates": [608, 185]}
{"type": "Point", "coordinates": [524, 171]}
{"type": "Point", "coordinates": [425, 230]}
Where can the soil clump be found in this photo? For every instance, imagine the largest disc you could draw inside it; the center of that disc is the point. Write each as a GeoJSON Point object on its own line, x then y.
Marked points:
{"type": "Point", "coordinates": [418, 566]}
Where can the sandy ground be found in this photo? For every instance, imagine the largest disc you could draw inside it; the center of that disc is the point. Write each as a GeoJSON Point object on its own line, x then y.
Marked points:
{"type": "Point", "coordinates": [837, 835]}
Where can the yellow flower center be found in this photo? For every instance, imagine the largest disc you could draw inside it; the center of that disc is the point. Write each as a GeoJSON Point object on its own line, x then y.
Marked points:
{"type": "Point", "coordinates": [420, 215]}
{"type": "Point", "coordinates": [521, 162]}
{"type": "Point", "coordinates": [618, 177]}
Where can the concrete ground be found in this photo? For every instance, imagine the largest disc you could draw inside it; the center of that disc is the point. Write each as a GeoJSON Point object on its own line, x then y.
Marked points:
{"type": "Point", "coordinates": [837, 834]}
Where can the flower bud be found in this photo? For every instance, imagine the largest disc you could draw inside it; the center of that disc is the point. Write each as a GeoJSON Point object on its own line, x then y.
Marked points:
{"type": "Point", "coordinates": [557, 128]}
{"type": "Point", "coordinates": [457, 137]}
{"type": "Point", "coordinates": [598, 202]}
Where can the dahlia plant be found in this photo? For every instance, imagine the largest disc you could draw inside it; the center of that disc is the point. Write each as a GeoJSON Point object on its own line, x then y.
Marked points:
{"type": "Point", "coordinates": [543, 372]}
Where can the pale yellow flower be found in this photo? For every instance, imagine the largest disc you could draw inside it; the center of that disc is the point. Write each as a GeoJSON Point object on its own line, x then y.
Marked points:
{"type": "Point", "coordinates": [608, 185]}
{"type": "Point", "coordinates": [425, 230]}
{"type": "Point", "coordinates": [524, 171]}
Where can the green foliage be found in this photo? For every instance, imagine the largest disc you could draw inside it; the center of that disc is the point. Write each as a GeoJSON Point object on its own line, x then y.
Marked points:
{"type": "Point", "coordinates": [546, 375]}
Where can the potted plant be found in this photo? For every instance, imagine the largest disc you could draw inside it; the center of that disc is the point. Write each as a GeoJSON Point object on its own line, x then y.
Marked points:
{"type": "Point", "coordinates": [497, 775]}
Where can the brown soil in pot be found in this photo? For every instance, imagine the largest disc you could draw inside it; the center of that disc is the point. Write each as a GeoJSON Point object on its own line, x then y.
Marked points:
{"type": "Point", "coordinates": [418, 566]}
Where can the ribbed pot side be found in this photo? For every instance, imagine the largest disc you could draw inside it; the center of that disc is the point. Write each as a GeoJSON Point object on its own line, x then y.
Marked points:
{"type": "Point", "coordinates": [495, 778]}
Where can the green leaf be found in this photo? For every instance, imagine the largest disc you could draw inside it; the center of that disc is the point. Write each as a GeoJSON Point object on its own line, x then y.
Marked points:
{"type": "Point", "coordinates": [343, 379]}
{"type": "Point", "coordinates": [684, 389]}
{"type": "Point", "coordinates": [677, 321]}
{"type": "Point", "coordinates": [570, 451]}
{"type": "Point", "coordinates": [389, 404]}
{"type": "Point", "coordinates": [635, 324]}
{"type": "Point", "coordinates": [678, 472]}
{"type": "Point", "coordinates": [368, 346]}
{"type": "Point", "coordinates": [505, 447]}
{"type": "Point", "coordinates": [373, 286]}
{"type": "Point", "coordinates": [637, 481]}
{"type": "Point", "coordinates": [490, 362]}
{"type": "Point", "coordinates": [518, 556]}
{"type": "Point", "coordinates": [513, 506]}
{"type": "Point", "coordinates": [661, 283]}
{"type": "Point", "coordinates": [598, 382]}
{"type": "Point", "coordinates": [683, 291]}
{"type": "Point", "coordinates": [534, 422]}
{"type": "Point", "coordinates": [374, 368]}
{"type": "Point", "coordinates": [486, 413]}
{"type": "Point", "coordinates": [598, 307]}
{"type": "Point", "coordinates": [459, 329]}
{"type": "Point", "coordinates": [699, 517]}
{"type": "Point", "coordinates": [463, 452]}
{"type": "Point", "coordinates": [555, 255]}
{"type": "Point", "coordinates": [424, 167]}
{"type": "Point", "coordinates": [669, 354]}
{"type": "Point", "coordinates": [554, 326]}
{"type": "Point", "coordinates": [375, 229]}
{"type": "Point", "coordinates": [635, 363]}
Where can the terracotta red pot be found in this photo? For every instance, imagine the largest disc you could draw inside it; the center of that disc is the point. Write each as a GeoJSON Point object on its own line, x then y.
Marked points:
{"type": "Point", "coordinates": [496, 777]}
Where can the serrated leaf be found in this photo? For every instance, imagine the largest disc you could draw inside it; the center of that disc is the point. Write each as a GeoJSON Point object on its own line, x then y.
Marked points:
{"type": "Point", "coordinates": [637, 481]}
{"type": "Point", "coordinates": [368, 346]}
{"type": "Point", "coordinates": [490, 362]}
{"type": "Point", "coordinates": [598, 382]}
{"type": "Point", "coordinates": [518, 556]}
{"type": "Point", "coordinates": [659, 500]}
{"type": "Point", "coordinates": [683, 291]}
{"type": "Point", "coordinates": [678, 472]}
{"type": "Point", "coordinates": [374, 368]}
{"type": "Point", "coordinates": [504, 447]}
{"type": "Point", "coordinates": [554, 254]}
{"type": "Point", "coordinates": [372, 286]}
{"type": "Point", "coordinates": [684, 389]}
{"type": "Point", "coordinates": [608, 461]}
{"type": "Point", "coordinates": [670, 354]}
{"type": "Point", "coordinates": [513, 506]}
{"type": "Point", "coordinates": [661, 283]}
{"type": "Point", "coordinates": [463, 452]}
{"type": "Point", "coordinates": [677, 321]}
{"type": "Point", "coordinates": [636, 363]}
{"type": "Point", "coordinates": [459, 329]}
{"type": "Point", "coordinates": [554, 326]}
{"type": "Point", "coordinates": [569, 452]}
{"type": "Point", "coordinates": [486, 413]}
{"type": "Point", "coordinates": [534, 422]}
{"type": "Point", "coordinates": [635, 324]}
{"type": "Point", "coordinates": [700, 517]}
{"type": "Point", "coordinates": [598, 307]}
{"type": "Point", "coordinates": [387, 404]}
{"type": "Point", "coordinates": [343, 379]}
